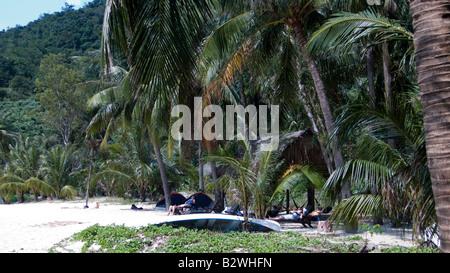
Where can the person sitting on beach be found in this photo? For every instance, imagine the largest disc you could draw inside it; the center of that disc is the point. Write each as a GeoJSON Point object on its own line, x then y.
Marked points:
{"type": "Point", "coordinates": [293, 216]}
{"type": "Point", "coordinates": [188, 204]}
{"type": "Point", "coordinates": [133, 207]}
{"type": "Point", "coordinates": [316, 213]}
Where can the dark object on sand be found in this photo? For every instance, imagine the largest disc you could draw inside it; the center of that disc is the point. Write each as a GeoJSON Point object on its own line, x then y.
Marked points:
{"type": "Point", "coordinates": [135, 208]}
{"type": "Point", "coordinates": [177, 199]}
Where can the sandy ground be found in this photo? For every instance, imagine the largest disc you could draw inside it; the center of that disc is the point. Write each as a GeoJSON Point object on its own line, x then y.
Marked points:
{"type": "Point", "coordinates": [36, 227]}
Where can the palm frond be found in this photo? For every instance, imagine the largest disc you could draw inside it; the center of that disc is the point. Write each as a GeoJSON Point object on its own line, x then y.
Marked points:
{"type": "Point", "coordinates": [68, 192]}
{"type": "Point", "coordinates": [11, 182]}
{"type": "Point", "coordinates": [382, 124]}
{"type": "Point", "coordinates": [39, 185]}
{"type": "Point", "coordinates": [356, 207]}
{"type": "Point", "coordinates": [286, 81]}
{"type": "Point", "coordinates": [360, 173]}
{"type": "Point", "coordinates": [344, 29]}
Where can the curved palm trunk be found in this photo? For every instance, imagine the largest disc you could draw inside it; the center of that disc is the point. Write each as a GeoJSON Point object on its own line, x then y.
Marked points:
{"type": "Point", "coordinates": [432, 57]}
{"type": "Point", "coordinates": [323, 100]}
{"type": "Point", "coordinates": [162, 171]}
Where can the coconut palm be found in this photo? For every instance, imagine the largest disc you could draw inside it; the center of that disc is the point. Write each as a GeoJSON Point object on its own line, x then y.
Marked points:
{"type": "Point", "coordinates": [117, 108]}
{"type": "Point", "coordinates": [25, 170]}
{"type": "Point", "coordinates": [6, 138]}
{"type": "Point", "coordinates": [258, 30]}
{"type": "Point", "coordinates": [111, 108]}
{"type": "Point", "coordinates": [58, 169]}
{"type": "Point", "coordinates": [256, 178]}
{"type": "Point", "coordinates": [10, 184]}
{"type": "Point", "coordinates": [392, 181]}
{"type": "Point", "coordinates": [369, 29]}
{"type": "Point", "coordinates": [343, 30]}
{"type": "Point", "coordinates": [395, 143]}
{"type": "Point", "coordinates": [158, 40]}
{"type": "Point", "coordinates": [94, 144]}
{"type": "Point", "coordinates": [301, 179]}
{"type": "Point", "coordinates": [133, 162]}
{"type": "Point", "coordinates": [430, 20]}
{"type": "Point", "coordinates": [241, 178]}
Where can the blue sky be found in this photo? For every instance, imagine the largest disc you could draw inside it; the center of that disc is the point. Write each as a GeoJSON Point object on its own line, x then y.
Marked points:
{"type": "Point", "coordinates": [21, 12]}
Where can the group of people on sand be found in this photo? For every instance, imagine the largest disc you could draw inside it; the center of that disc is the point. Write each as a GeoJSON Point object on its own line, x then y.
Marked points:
{"type": "Point", "coordinates": [294, 215]}
{"type": "Point", "coordinates": [298, 214]}
{"type": "Point", "coordinates": [190, 203]}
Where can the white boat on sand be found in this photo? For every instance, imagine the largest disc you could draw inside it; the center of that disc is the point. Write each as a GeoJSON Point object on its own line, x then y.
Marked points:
{"type": "Point", "coordinates": [219, 222]}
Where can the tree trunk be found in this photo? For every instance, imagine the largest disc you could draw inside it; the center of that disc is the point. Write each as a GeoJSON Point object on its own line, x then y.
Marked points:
{"type": "Point", "coordinates": [35, 193]}
{"type": "Point", "coordinates": [162, 171]}
{"type": "Point", "coordinates": [93, 144]}
{"type": "Point", "coordinates": [387, 86]}
{"type": "Point", "coordinates": [91, 164]}
{"type": "Point", "coordinates": [323, 147]}
{"type": "Point", "coordinates": [218, 192]}
{"type": "Point", "coordinates": [142, 191]}
{"type": "Point", "coordinates": [201, 182]}
{"type": "Point", "coordinates": [323, 100]}
{"type": "Point", "coordinates": [370, 77]}
{"type": "Point", "coordinates": [387, 77]}
{"type": "Point", "coordinates": [310, 192]}
{"type": "Point", "coordinates": [20, 196]}
{"type": "Point", "coordinates": [244, 104]}
{"type": "Point", "coordinates": [431, 21]}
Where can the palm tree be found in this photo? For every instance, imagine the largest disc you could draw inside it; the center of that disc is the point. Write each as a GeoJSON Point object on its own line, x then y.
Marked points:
{"type": "Point", "coordinates": [369, 28]}
{"type": "Point", "coordinates": [374, 28]}
{"type": "Point", "coordinates": [392, 181]}
{"type": "Point", "coordinates": [158, 40]}
{"type": "Point", "coordinates": [6, 138]}
{"type": "Point", "coordinates": [301, 179]}
{"type": "Point", "coordinates": [25, 170]}
{"type": "Point", "coordinates": [256, 178]}
{"type": "Point", "coordinates": [430, 21]}
{"type": "Point", "coordinates": [10, 184]}
{"type": "Point", "coordinates": [58, 171]}
{"type": "Point", "coordinates": [93, 145]}
{"type": "Point", "coordinates": [117, 107]}
{"type": "Point", "coordinates": [134, 163]}
{"type": "Point", "coordinates": [240, 176]}
{"type": "Point", "coordinates": [339, 35]}
{"type": "Point", "coordinates": [252, 33]}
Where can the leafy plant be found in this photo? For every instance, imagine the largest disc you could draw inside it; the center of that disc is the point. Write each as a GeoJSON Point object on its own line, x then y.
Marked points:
{"type": "Point", "coordinates": [167, 239]}
{"type": "Point", "coordinates": [59, 171]}
{"type": "Point", "coordinates": [25, 170]}
{"type": "Point", "coordinates": [371, 229]}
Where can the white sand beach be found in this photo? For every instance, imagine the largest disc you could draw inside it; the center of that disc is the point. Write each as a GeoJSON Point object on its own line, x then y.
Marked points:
{"type": "Point", "coordinates": [36, 227]}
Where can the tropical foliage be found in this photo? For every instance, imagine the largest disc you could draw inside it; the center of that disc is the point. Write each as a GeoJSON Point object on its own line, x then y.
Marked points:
{"type": "Point", "coordinates": [121, 239]}
{"type": "Point", "coordinates": [344, 69]}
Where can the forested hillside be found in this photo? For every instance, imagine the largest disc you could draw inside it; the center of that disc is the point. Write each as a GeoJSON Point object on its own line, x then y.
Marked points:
{"type": "Point", "coordinates": [69, 33]}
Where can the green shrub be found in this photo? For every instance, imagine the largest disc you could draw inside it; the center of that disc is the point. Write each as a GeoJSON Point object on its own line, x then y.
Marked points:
{"type": "Point", "coordinates": [168, 239]}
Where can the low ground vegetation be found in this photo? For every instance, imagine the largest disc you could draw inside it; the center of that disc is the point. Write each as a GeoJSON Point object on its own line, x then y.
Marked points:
{"type": "Point", "coordinates": [166, 239]}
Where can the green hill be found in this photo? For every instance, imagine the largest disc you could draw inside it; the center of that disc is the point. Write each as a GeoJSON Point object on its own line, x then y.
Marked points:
{"type": "Point", "coordinates": [71, 32]}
